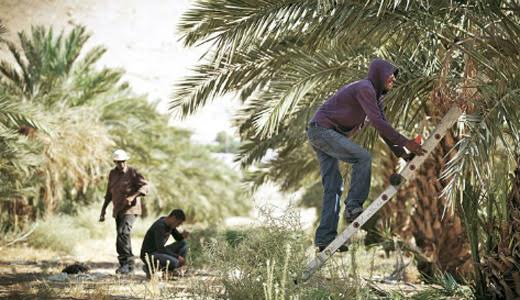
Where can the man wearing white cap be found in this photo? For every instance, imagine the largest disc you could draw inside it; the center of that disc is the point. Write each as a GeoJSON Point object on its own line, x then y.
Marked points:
{"type": "Point", "coordinates": [125, 187]}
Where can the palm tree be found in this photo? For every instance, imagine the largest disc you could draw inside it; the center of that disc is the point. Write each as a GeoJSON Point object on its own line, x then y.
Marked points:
{"type": "Point", "coordinates": [500, 266]}
{"type": "Point", "coordinates": [16, 159]}
{"type": "Point", "coordinates": [82, 113]}
{"type": "Point", "coordinates": [283, 58]}
{"type": "Point", "coordinates": [48, 76]}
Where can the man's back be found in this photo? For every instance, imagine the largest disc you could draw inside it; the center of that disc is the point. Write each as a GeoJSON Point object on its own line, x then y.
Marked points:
{"type": "Point", "coordinates": [351, 104]}
{"type": "Point", "coordinates": [342, 110]}
{"type": "Point", "coordinates": [156, 237]}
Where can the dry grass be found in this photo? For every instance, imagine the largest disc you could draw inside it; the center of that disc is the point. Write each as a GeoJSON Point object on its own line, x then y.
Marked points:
{"type": "Point", "coordinates": [240, 263]}
{"type": "Point", "coordinates": [25, 273]}
{"type": "Point", "coordinates": [33, 279]}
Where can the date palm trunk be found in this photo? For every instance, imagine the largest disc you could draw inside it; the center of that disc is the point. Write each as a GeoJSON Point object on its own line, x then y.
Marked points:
{"type": "Point", "coordinates": [438, 231]}
{"type": "Point", "coordinates": [501, 267]}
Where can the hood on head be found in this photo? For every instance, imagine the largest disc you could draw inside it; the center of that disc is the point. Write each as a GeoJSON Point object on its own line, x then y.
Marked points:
{"type": "Point", "coordinates": [378, 71]}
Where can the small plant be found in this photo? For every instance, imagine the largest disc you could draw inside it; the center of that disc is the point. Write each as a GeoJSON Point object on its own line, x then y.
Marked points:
{"type": "Point", "coordinates": [258, 261]}
{"type": "Point", "coordinates": [87, 217]}
{"type": "Point", "coordinates": [59, 233]}
{"type": "Point", "coordinates": [450, 287]}
{"type": "Point", "coordinates": [263, 262]}
{"type": "Point", "coordinates": [276, 290]}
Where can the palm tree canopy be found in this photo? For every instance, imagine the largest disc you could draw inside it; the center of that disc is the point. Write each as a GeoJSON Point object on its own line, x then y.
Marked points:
{"type": "Point", "coordinates": [284, 58]}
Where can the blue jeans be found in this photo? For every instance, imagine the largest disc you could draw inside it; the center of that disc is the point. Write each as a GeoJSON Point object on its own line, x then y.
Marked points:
{"type": "Point", "coordinates": [331, 147]}
{"type": "Point", "coordinates": [169, 254]}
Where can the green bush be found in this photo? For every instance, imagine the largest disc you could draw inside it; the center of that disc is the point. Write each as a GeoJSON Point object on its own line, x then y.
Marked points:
{"type": "Point", "coordinates": [234, 237]}
{"type": "Point", "coordinates": [60, 233]}
{"type": "Point", "coordinates": [262, 263]}
{"type": "Point", "coordinates": [63, 232]}
{"type": "Point", "coordinates": [257, 262]}
{"type": "Point", "coordinates": [141, 225]}
{"type": "Point", "coordinates": [87, 219]}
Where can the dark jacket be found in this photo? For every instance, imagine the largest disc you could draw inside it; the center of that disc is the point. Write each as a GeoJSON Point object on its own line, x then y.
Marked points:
{"type": "Point", "coordinates": [156, 237]}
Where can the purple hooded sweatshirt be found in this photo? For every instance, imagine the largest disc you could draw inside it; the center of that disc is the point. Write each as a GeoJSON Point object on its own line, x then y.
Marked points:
{"type": "Point", "coordinates": [348, 107]}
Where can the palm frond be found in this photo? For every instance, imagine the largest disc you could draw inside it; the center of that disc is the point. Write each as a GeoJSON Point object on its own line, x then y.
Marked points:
{"type": "Point", "coordinates": [241, 21]}
{"type": "Point", "coordinates": [14, 116]}
{"type": "Point", "coordinates": [245, 74]}
{"type": "Point", "coordinates": [3, 30]}
{"type": "Point", "coordinates": [73, 45]}
{"type": "Point", "coordinates": [431, 42]}
{"type": "Point", "coordinates": [10, 73]}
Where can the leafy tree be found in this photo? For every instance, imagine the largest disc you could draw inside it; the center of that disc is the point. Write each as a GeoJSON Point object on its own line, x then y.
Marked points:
{"type": "Point", "coordinates": [283, 58]}
{"type": "Point", "coordinates": [226, 143]}
{"type": "Point", "coordinates": [79, 113]}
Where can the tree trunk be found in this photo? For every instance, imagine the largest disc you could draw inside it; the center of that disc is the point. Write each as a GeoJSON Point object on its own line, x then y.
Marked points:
{"type": "Point", "coordinates": [19, 213]}
{"type": "Point", "coordinates": [501, 268]}
{"type": "Point", "coordinates": [420, 213]}
{"type": "Point", "coordinates": [438, 230]}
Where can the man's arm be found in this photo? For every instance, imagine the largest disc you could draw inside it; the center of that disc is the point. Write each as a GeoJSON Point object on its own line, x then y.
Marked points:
{"type": "Point", "coordinates": [367, 100]}
{"type": "Point", "coordinates": [108, 199]}
{"type": "Point", "coordinates": [398, 151]}
{"type": "Point", "coordinates": [177, 235]}
{"type": "Point", "coordinates": [140, 186]}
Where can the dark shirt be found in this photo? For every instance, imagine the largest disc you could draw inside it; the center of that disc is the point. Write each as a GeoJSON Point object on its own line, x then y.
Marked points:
{"type": "Point", "coordinates": [156, 237]}
{"type": "Point", "coordinates": [122, 185]}
{"type": "Point", "coordinates": [347, 109]}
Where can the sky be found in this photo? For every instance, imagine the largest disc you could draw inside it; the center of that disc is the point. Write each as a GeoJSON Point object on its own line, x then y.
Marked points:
{"type": "Point", "coordinates": [141, 37]}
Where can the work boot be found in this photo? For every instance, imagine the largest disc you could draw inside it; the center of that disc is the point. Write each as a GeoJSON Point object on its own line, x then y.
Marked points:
{"type": "Point", "coordinates": [124, 270]}
{"type": "Point", "coordinates": [351, 215]}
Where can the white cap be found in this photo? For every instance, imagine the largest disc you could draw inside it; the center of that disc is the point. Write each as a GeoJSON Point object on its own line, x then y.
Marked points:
{"type": "Point", "coordinates": [120, 155]}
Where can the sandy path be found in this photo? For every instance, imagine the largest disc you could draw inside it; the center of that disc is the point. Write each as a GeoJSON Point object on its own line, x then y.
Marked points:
{"type": "Point", "coordinates": [27, 273]}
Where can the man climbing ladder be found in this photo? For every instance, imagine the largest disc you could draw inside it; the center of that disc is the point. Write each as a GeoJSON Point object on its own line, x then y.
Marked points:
{"type": "Point", "coordinates": [396, 180]}
{"type": "Point", "coordinates": [329, 134]}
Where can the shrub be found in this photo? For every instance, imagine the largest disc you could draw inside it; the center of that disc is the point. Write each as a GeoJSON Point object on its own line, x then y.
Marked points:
{"type": "Point", "coordinates": [262, 263]}
{"type": "Point", "coordinates": [87, 219]}
{"type": "Point", "coordinates": [60, 233]}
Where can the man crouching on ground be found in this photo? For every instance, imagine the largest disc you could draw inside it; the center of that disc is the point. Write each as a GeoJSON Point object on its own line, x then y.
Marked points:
{"type": "Point", "coordinates": [154, 251]}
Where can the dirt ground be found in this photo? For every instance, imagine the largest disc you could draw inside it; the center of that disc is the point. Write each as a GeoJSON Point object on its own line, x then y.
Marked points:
{"type": "Point", "coordinates": [27, 273]}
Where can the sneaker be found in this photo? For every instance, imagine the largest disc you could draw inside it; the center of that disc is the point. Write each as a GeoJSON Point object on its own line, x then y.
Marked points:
{"type": "Point", "coordinates": [125, 270]}
{"type": "Point", "coordinates": [342, 248]}
{"type": "Point", "coordinates": [351, 215]}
